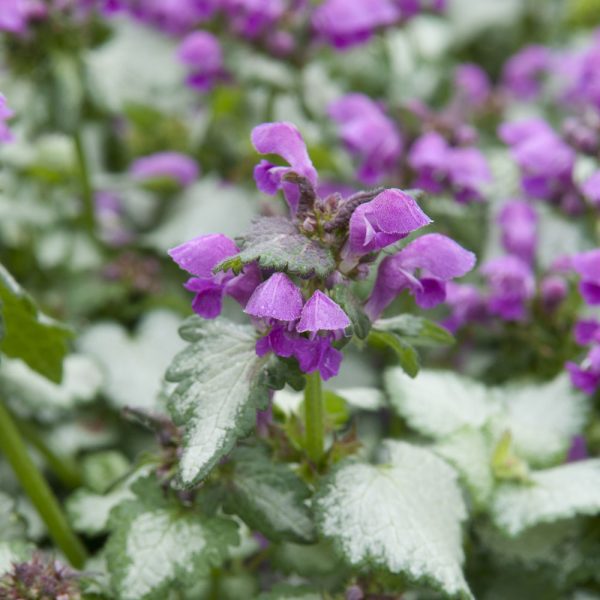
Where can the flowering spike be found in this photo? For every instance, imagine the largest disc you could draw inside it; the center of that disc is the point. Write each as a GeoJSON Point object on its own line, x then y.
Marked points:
{"type": "Point", "coordinates": [276, 298]}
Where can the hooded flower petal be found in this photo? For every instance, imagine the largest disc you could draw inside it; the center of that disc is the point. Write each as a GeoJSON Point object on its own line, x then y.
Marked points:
{"type": "Point", "coordinates": [208, 301]}
{"type": "Point", "coordinates": [200, 255]}
{"type": "Point", "coordinates": [276, 298]}
{"type": "Point", "coordinates": [318, 355]}
{"type": "Point", "coordinates": [174, 165]}
{"type": "Point", "coordinates": [322, 313]}
{"type": "Point", "coordinates": [389, 217]}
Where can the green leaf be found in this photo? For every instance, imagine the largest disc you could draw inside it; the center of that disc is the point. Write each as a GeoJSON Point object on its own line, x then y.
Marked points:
{"type": "Point", "coordinates": [269, 497]}
{"type": "Point", "coordinates": [416, 330]}
{"type": "Point", "coordinates": [403, 516]}
{"type": "Point", "coordinates": [28, 334]}
{"type": "Point", "coordinates": [361, 324]}
{"type": "Point", "coordinates": [407, 356]}
{"type": "Point", "coordinates": [283, 591]}
{"type": "Point", "coordinates": [157, 544]}
{"type": "Point", "coordinates": [220, 387]}
{"type": "Point", "coordinates": [12, 525]}
{"type": "Point", "coordinates": [14, 551]}
{"type": "Point", "coordinates": [276, 243]}
{"type": "Point", "coordinates": [552, 494]}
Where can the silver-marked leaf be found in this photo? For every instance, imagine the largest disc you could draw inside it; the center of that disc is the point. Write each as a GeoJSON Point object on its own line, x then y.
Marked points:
{"type": "Point", "coordinates": [219, 388]}
{"type": "Point", "coordinates": [276, 243]}
{"type": "Point", "coordinates": [157, 545]}
{"type": "Point", "coordinates": [553, 494]}
{"type": "Point", "coordinates": [270, 497]}
{"type": "Point", "coordinates": [438, 403]}
{"type": "Point", "coordinates": [416, 330]}
{"type": "Point", "coordinates": [403, 516]}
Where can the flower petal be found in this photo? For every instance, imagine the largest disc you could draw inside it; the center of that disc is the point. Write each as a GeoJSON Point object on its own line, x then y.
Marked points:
{"type": "Point", "coordinates": [276, 298]}
{"type": "Point", "coordinates": [322, 313]}
{"type": "Point", "coordinates": [200, 255]}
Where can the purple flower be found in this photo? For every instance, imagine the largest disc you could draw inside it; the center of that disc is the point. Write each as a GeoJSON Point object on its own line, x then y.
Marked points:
{"type": "Point", "coordinates": [438, 258]}
{"type": "Point", "coordinates": [587, 331]}
{"type": "Point", "coordinates": [591, 189]}
{"type": "Point", "coordinates": [577, 450]}
{"type": "Point", "coordinates": [586, 376]}
{"type": "Point", "coordinates": [276, 298]}
{"type": "Point", "coordinates": [179, 167]}
{"type": "Point", "coordinates": [518, 222]}
{"type": "Point", "coordinates": [466, 304]}
{"type": "Point", "coordinates": [344, 24]}
{"type": "Point", "coordinates": [368, 134]}
{"type": "Point", "coordinates": [251, 18]}
{"type": "Point", "coordinates": [389, 217]}
{"type": "Point", "coordinates": [516, 132]}
{"type": "Point", "coordinates": [585, 74]}
{"type": "Point", "coordinates": [428, 157]}
{"type": "Point", "coordinates": [201, 51]}
{"type": "Point", "coordinates": [587, 265]}
{"type": "Point", "coordinates": [523, 72]}
{"type": "Point", "coordinates": [285, 140]}
{"type": "Point", "coordinates": [472, 84]}
{"type": "Point", "coordinates": [321, 313]}
{"type": "Point", "coordinates": [468, 172]}
{"type": "Point", "coordinates": [512, 284]}
{"type": "Point", "coordinates": [13, 16]}
{"type": "Point", "coordinates": [553, 290]}
{"type": "Point", "coordinates": [5, 114]}
{"type": "Point", "coordinates": [198, 257]}
{"type": "Point", "coordinates": [173, 16]}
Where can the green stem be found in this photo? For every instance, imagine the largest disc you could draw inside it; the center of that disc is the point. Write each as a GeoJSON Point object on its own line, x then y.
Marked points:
{"type": "Point", "coordinates": [313, 417]}
{"type": "Point", "coordinates": [40, 494]}
{"type": "Point", "coordinates": [88, 214]}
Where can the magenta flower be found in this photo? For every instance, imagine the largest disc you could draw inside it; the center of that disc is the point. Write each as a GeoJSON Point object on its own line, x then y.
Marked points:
{"type": "Point", "coordinates": [276, 298]}
{"type": "Point", "coordinates": [577, 450]}
{"type": "Point", "coordinates": [587, 331]}
{"type": "Point", "coordinates": [13, 16]}
{"type": "Point", "coordinates": [553, 290]}
{"type": "Point", "coordinates": [512, 285]}
{"type": "Point", "coordinates": [587, 265]}
{"type": "Point", "coordinates": [516, 132]}
{"type": "Point", "coordinates": [591, 189]}
{"type": "Point", "coordinates": [285, 140]}
{"type": "Point", "coordinates": [472, 85]}
{"type": "Point", "coordinates": [468, 172]}
{"type": "Point", "coordinates": [389, 217]}
{"type": "Point", "coordinates": [586, 376]}
{"type": "Point", "coordinates": [423, 267]}
{"type": "Point", "coordinates": [199, 257]}
{"type": "Point", "coordinates": [174, 17]}
{"type": "Point", "coordinates": [173, 165]}
{"type": "Point", "coordinates": [466, 304]}
{"type": "Point", "coordinates": [321, 313]}
{"type": "Point", "coordinates": [518, 223]}
{"type": "Point", "coordinates": [5, 114]}
{"type": "Point", "coordinates": [201, 52]}
{"type": "Point", "coordinates": [252, 18]}
{"type": "Point", "coordinates": [524, 71]}
{"type": "Point", "coordinates": [368, 134]}
{"type": "Point", "coordinates": [344, 24]}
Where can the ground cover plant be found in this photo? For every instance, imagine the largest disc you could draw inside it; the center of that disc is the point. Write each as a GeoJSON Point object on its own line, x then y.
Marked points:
{"type": "Point", "coordinates": [299, 299]}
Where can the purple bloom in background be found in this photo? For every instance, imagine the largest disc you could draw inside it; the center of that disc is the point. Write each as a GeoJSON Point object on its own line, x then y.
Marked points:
{"type": "Point", "coordinates": [285, 140]}
{"type": "Point", "coordinates": [428, 157]}
{"type": "Point", "coordinates": [174, 17]}
{"type": "Point", "coordinates": [368, 134]}
{"type": "Point", "coordinates": [389, 217]}
{"type": "Point", "coordinates": [587, 331]}
{"type": "Point", "coordinates": [472, 85]}
{"type": "Point", "coordinates": [553, 290]}
{"type": "Point", "coordinates": [276, 298]}
{"type": "Point", "coordinates": [466, 304]}
{"type": "Point", "coordinates": [577, 450]}
{"type": "Point", "coordinates": [5, 114]}
{"type": "Point", "coordinates": [345, 23]}
{"type": "Point", "coordinates": [199, 256]}
{"type": "Point", "coordinates": [516, 132]}
{"type": "Point", "coordinates": [512, 285]}
{"type": "Point", "coordinates": [174, 165]}
{"type": "Point", "coordinates": [251, 18]}
{"type": "Point", "coordinates": [585, 86]}
{"type": "Point", "coordinates": [13, 16]}
{"type": "Point", "coordinates": [591, 189]}
{"type": "Point", "coordinates": [518, 223]}
{"type": "Point", "coordinates": [468, 172]}
{"type": "Point", "coordinates": [587, 265]}
{"type": "Point", "coordinates": [523, 72]}
{"type": "Point", "coordinates": [321, 313]}
{"type": "Point", "coordinates": [201, 52]}
{"type": "Point", "coordinates": [586, 376]}
{"type": "Point", "coordinates": [438, 258]}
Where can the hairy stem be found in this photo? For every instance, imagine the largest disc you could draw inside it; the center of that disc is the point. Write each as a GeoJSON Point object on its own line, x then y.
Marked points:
{"type": "Point", "coordinates": [88, 213]}
{"type": "Point", "coordinates": [313, 417]}
{"type": "Point", "coordinates": [38, 490]}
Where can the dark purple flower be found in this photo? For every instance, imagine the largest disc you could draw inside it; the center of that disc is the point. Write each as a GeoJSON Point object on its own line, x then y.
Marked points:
{"type": "Point", "coordinates": [587, 265]}
{"type": "Point", "coordinates": [591, 189]}
{"type": "Point", "coordinates": [512, 285]}
{"type": "Point", "coordinates": [389, 217]}
{"type": "Point", "coordinates": [252, 18]}
{"type": "Point", "coordinates": [438, 259]}
{"type": "Point", "coordinates": [284, 140]}
{"type": "Point", "coordinates": [587, 331]}
{"type": "Point", "coordinates": [344, 24]}
{"type": "Point", "coordinates": [321, 313]}
{"type": "Point", "coordinates": [586, 376]}
{"type": "Point", "coordinates": [318, 355]}
{"type": "Point", "coordinates": [276, 298]}
{"type": "Point", "coordinates": [518, 223]}
{"type": "Point", "coordinates": [174, 165]}
{"type": "Point", "coordinates": [201, 52]}
{"type": "Point", "coordinates": [577, 450]}
{"type": "Point", "coordinates": [369, 134]}
{"type": "Point", "coordinates": [466, 304]}
{"type": "Point", "coordinates": [553, 290]}
{"type": "Point", "coordinates": [5, 114]}
{"type": "Point", "coordinates": [472, 85]}
{"type": "Point", "coordinates": [523, 72]}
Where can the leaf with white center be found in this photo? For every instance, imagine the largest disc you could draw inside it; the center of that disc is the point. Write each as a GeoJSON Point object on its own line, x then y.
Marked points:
{"type": "Point", "coordinates": [542, 419]}
{"type": "Point", "coordinates": [469, 452]}
{"type": "Point", "coordinates": [157, 545]}
{"type": "Point", "coordinates": [134, 365]}
{"type": "Point", "coordinates": [553, 494]}
{"type": "Point", "coordinates": [269, 497]}
{"type": "Point", "coordinates": [438, 403]}
{"type": "Point", "coordinates": [219, 389]}
{"type": "Point", "coordinates": [276, 243]}
{"type": "Point", "coordinates": [403, 516]}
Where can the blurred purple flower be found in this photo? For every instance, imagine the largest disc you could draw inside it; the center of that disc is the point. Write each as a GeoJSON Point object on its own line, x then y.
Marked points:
{"type": "Point", "coordinates": [466, 303]}
{"type": "Point", "coordinates": [174, 165]}
{"type": "Point", "coordinates": [368, 134]}
{"type": "Point", "coordinates": [276, 298]}
{"type": "Point", "coordinates": [587, 331]}
{"type": "Point", "coordinates": [5, 114]}
{"type": "Point", "coordinates": [284, 140]}
{"type": "Point", "coordinates": [252, 18]}
{"type": "Point", "coordinates": [586, 376]}
{"type": "Point", "coordinates": [587, 265]}
{"type": "Point", "coordinates": [523, 72]}
{"type": "Point", "coordinates": [468, 172]}
{"type": "Point", "coordinates": [201, 52]}
{"type": "Point", "coordinates": [13, 16]}
{"type": "Point", "coordinates": [438, 258]}
{"type": "Point", "coordinates": [472, 85]}
{"type": "Point", "coordinates": [512, 285]}
{"type": "Point", "coordinates": [577, 450]}
{"type": "Point", "coordinates": [518, 222]}
{"type": "Point", "coordinates": [321, 313]}
{"type": "Point", "coordinates": [591, 189]}
{"type": "Point", "coordinates": [584, 71]}
{"type": "Point", "coordinates": [553, 290]}
{"type": "Point", "coordinates": [516, 132]}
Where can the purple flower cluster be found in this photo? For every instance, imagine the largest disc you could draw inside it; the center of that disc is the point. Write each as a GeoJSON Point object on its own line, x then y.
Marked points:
{"type": "Point", "coordinates": [297, 315]}
{"type": "Point", "coordinates": [171, 165]}
{"type": "Point", "coordinates": [586, 376]}
{"type": "Point", "coordinates": [202, 55]}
